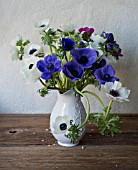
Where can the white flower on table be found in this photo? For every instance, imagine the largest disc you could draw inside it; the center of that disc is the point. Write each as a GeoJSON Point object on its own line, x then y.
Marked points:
{"type": "Point", "coordinates": [61, 125]}
{"type": "Point", "coordinates": [43, 25]}
{"type": "Point", "coordinates": [115, 91]}
{"type": "Point", "coordinates": [33, 50]}
{"type": "Point", "coordinates": [29, 69]}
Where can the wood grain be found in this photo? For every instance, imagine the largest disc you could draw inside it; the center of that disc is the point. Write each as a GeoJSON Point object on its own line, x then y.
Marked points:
{"type": "Point", "coordinates": [27, 143]}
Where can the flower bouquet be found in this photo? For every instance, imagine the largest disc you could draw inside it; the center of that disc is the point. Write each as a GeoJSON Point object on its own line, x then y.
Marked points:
{"type": "Point", "coordinates": [76, 58]}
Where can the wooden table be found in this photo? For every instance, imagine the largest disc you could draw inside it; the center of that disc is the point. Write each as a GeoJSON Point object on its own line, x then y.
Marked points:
{"type": "Point", "coordinates": [26, 143]}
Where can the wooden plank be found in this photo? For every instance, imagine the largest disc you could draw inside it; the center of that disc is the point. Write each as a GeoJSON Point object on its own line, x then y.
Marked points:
{"type": "Point", "coordinates": [56, 157]}
{"type": "Point", "coordinates": [26, 143]}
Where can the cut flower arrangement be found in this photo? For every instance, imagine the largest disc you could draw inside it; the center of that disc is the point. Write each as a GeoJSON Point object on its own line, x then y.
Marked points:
{"type": "Point", "coordinates": [77, 58]}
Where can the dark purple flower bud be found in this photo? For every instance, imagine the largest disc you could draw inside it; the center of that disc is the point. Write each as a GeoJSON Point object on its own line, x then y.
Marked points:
{"type": "Point", "coordinates": [49, 65]}
{"type": "Point", "coordinates": [84, 57]}
{"type": "Point", "coordinates": [109, 47]}
{"type": "Point", "coordinates": [73, 71]}
{"type": "Point", "coordinates": [67, 44]}
{"type": "Point", "coordinates": [114, 49]}
{"type": "Point", "coordinates": [117, 51]}
{"type": "Point", "coordinates": [105, 74]}
{"type": "Point", "coordinates": [103, 34]}
{"type": "Point", "coordinates": [110, 37]}
{"type": "Point", "coordinates": [81, 44]}
{"type": "Point", "coordinates": [98, 65]}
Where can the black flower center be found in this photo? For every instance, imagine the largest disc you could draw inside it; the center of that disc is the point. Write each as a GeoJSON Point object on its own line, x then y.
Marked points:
{"type": "Point", "coordinates": [114, 93]}
{"type": "Point", "coordinates": [83, 60]}
{"type": "Point", "coordinates": [63, 126]}
{"type": "Point", "coordinates": [107, 77]}
{"type": "Point", "coordinates": [50, 66]}
{"type": "Point", "coordinates": [32, 51]}
{"type": "Point", "coordinates": [30, 66]}
{"type": "Point", "coordinates": [74, 72]}
{"type": "Point", "coordinates": [42, 25]}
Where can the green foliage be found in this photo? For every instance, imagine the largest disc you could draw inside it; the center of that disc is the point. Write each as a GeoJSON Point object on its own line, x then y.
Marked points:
{"type": "Point", "coordinates": [21, 44]}
{"type": "Point", "coordinates": [109, 125]}
{"type": "Point", "coordinates": [49, 37]}
{"type": "Point", "coordinates": [43, 91]}
{"type": "Point", "coordinates": [73, 134]}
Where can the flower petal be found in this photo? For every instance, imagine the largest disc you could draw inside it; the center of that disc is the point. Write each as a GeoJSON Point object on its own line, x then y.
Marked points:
{"type": "Point", "coordinates": [46, 76]}
{"type": "Point", "coordinates": [41, 66]}
{"type": "Point", "coordinates": [109, 70]}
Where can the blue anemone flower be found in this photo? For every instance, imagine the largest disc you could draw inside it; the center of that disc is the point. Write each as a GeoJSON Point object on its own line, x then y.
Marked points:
{"type": "Point", "coordinates": [67, 44]}
{"type": "Point", "coordinates": [73, 71]}
{"type": "Point", "coordinates": [84, 57]}
{"type": "Point", "coordinates": [49, 65]}
{"type": "Point", "coordinates": [105, 74]}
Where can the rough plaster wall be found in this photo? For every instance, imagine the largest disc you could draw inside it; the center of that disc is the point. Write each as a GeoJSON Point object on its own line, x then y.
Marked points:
{"type": "Point", "coordinates": [19, 16]}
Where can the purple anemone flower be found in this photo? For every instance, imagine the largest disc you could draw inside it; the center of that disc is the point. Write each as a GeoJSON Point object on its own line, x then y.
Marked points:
{"type": "Point", "coordinates": [84, 57]}
{"type": "Point", "coordinates": [98, 65]}
{"type": "Point", "coordinates": [105, 74]}
{"type": "Point", "coordinates": [73, 71]}
{"type": "Point", "coordinates": [67, 44]}
{"type": "Point", "coordinates": [87, 29]}
{"type": "Point", "coordinates": [49, 65]}
{"type": "Point", "coordinates": [86, 32]}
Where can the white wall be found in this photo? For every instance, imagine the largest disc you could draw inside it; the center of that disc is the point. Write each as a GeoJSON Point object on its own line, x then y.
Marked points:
{"type": "Point", "coordinates": [19, 16]}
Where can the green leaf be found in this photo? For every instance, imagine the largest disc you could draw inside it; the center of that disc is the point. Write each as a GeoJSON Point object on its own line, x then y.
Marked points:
{"type": "Point", "coordinates": [43, 92]}
{"type": "Point", "coordinates": [73, 134]}
{"type": "Point", "coordinates": [106, 126]}
{"type": "Point", "coordinates": [19, 43]}
{"type": "Point", "coordinates": [47, 40]}
{"type": "Point", "coordinates": [26, 42]}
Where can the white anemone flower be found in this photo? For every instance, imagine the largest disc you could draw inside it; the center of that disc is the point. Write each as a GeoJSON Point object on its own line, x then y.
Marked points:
{"type": "Point", "coordinates": [14, 48]}
{"type": "Point", "coordinates": [14, 53]}
{"type": "Point", "coordinates": [68, 28]}
{"type": "Point", "coordinates": [109, 59]}
{"type": "Point", "coordinates": [95, 46]}
{"type": "Point", "coordinates": [61, 124]}
{"type": "Point", "coordinates": [33, 50]}
{"type": "Point", "coordinates": [115, 91]}
{"type": "Point", "coordinates": [29, 69]}
{"type": "Point", "coordinates": [42, 25]}
{"type": "Point", "coordinates": [97, 38]}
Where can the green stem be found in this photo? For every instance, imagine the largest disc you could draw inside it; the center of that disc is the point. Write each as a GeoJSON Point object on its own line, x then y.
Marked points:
{"type": "Point", "coordinates": [51, 50]}
{"type": "Point", "coordinates": [88, 107]}
{"type": "Point", "coordinates": [50, 88]}
{"type": "Point", "coordinates": [109, 108]}
{"type": "Point", "coordinates": [70, 57]}
{"type": "Point", "coordinates": [98, 98]}
{"type": "Point", "coordinates": [42, 82]}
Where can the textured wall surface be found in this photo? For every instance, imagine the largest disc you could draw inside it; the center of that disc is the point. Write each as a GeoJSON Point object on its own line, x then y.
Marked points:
{"type": "Point", "coordinates": [19, 16]}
